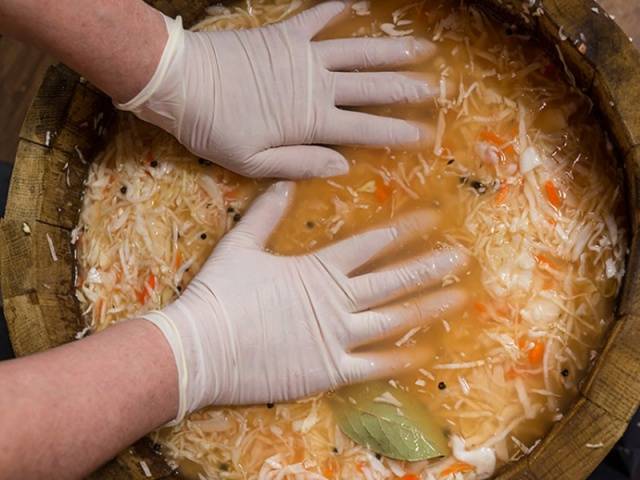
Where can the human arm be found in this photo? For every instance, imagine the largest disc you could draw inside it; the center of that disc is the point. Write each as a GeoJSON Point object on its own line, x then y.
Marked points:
{"type": "Point", "coordinates": [261, 102]}
{"type": "Point", "coordinates": [252, 327]}
{"type": "Point", "coordinates": [116, 44]}
{"type": "Point", "coordinates": [66, 411]}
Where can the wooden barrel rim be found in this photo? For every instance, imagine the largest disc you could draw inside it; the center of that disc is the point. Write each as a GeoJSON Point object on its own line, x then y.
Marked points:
{"type": "Point", "coordinates": [66, 124]}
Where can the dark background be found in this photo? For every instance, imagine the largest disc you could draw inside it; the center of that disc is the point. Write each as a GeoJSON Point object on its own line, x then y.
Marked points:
{"type": "Point", "coordinates": [21, 70]}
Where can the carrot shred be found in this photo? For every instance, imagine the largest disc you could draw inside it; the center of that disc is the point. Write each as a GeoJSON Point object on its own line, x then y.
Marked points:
{"type": "Point", "coordinates": [178, 260]}
{"type": "Point", "coordinates": [553, 195]}
{"type": "Point", "coordinates": [544, 260]}
{"type": "Point", "coordinates": [480, 307]}
{"type": "Point", "coordinates": [501, 196]}
{"type": "Point", "coordinates": [328, 472]}
{"type": "Point", "coordinates": [383, 192]}
{"type": "Point", "coordinates": [497, 141]}
{"type": "Point", "coordinates": [491, 137]}
{"type": "Point", "coordinates": [142, 296]}
{"type": "Point", "coordinates": [511, 374]}
{"type": "Point", "coordinates": [522, 343]}
{"type": "Point", "coordinates": [410, 476]}
{"type": "Point", "coordinates": [509, 150]}
{"type": "Point", "coordinates": [458, 467]}
{"type": "Point", "coordinates": [536, 353]}
{"type": "Point", "coordinates": [231, 194]}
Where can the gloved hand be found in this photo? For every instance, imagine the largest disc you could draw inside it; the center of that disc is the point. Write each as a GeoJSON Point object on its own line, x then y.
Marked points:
{"type": "Point", "coordinates": [254, 327]}
{"type": "Point", "coordinates": [255, 100]}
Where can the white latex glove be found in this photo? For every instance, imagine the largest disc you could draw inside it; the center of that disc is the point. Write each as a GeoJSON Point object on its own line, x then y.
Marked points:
{"type": "Point", "coordinates": [254, 100]}
{"type": "Point", "coordinates": [254, 327]}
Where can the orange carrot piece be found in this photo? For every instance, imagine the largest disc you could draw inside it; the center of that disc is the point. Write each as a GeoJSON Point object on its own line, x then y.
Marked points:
{"type": "Point", "coordinates": [328, 472]}
{"type": "Point", "coordinates": [536, 354]}
{"type": "Point", "coordinates": [553, 195]}
{"type": "Point", "coordinates": [152, 281]}
{"type": "Point", "coordinates": [231, 194]}
{"type": "Point", "coordinates": [458, 467]}
{"type": "Point", "coordinates": [178, 260]}
{"type": "Point", "coordinates": [480, 307]}
{"type": "Point", "coordinates": [522, 343]}
{"type": "Point", "coordinates": [492, 138]}
{"type": "Point", "coordinates": [142, 296]}
{"type": "Point", "coordinates": [501, 196]}
{"type": "Point", "coordinates": [497, 141]}
{"type": "Point", "coordinates": [509, 150]}
{"type": "Point", "coordinates": [544, 260]}
{"type": "Point", "coordinates": [410, 476]}
{"type": "Point", "coordinates": [383, 192]}
{"type": "Point", "coordinates": [511, 374]}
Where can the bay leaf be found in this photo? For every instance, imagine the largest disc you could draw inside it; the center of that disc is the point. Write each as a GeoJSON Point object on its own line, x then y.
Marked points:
{"type": "Point", "coordinates": [388, 421]}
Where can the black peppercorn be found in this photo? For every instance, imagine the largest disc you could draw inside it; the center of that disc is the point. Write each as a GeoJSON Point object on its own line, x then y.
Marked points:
{"type": "Point", "coordinates": [378, 456]}
{"type": "Point", "coordinates": [230, 209]}
{"type": "Point", "coordinates": [154, 163]}
{"type": "Point", "coordinates": [204, 162]}
{"type": "Point", "coordinates": [237, 217]}
{"type": "Point", "coordinates": [310, 224]}
{"type": "Point", "coordinates": [451, 161]}
{"type": "Point", "coordinates": [123, 190]}
{"type": "Point", "coordinates": [442, 385]}
{"type": "Point", "coordinates": [335, 450]}
{"type": "Point", "coordinates": [270, 405]}
{"type": "Point", "coordinates": [179, 288]}
{"type": "Point", "coordinates": [203, 236]}
{"type": "Point", "coordinates": [564, 372]}
{"type": "Point", "coordinates": [224, 467]}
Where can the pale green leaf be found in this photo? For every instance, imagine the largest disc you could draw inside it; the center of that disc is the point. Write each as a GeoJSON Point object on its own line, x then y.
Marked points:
{"type": "Point", "coordinates": [405, 432]}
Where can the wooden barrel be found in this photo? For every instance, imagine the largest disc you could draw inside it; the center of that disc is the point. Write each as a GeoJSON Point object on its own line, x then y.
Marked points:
{"type": "Point", "coordinates": [66, 125]}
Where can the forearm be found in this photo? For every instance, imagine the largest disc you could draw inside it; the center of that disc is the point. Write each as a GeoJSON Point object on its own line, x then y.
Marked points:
{"type": "Point", "coordinates": [116, 44]}
{"type": "Point", "coordinates": [66, 411]}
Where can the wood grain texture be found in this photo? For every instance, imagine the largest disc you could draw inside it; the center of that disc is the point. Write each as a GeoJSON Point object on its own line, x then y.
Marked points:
{"type": "Point", "coordinates": [46, 188]}
{"type": "Point", "coordinates": [21, 71]}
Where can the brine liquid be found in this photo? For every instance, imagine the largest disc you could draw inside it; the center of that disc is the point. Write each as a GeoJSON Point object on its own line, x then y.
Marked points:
{"type": "Point", "coordinates": [522, 179]}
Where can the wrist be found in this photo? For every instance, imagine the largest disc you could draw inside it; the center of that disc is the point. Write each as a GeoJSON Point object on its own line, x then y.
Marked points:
{"type": "Point", "coordinates": [194, 328]}
{"type": "Point", "coordinates": [160, 101]}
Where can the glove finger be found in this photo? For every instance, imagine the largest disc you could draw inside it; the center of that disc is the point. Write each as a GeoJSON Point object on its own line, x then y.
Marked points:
{"type": "Point", "coordinates": [312, 21]}
{"type": "Point", "coordinates": [385, 364]}
{"type": "Point", "coordinates": [355, 128]}
{"type": "Point", "coordinates": [367, 53]}
{"type": "Point", "coordinates": [374, 325]}
{"type": "Point", "coordinates": [297, 162]}
{"type": "Point", "coordinates": [355, 252]}
{"type": "Point", "coordinates": [383, 88]}
{"type": "Point", "coordinates": [263, 216]}
{"type": "Point", "coordinates": [383, 286]}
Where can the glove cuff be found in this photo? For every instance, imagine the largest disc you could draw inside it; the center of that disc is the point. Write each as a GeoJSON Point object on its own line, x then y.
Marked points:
{"type": "Point", "coordinates": [173, 337]}
{"type": "Point", "coordinates": [156, 102]}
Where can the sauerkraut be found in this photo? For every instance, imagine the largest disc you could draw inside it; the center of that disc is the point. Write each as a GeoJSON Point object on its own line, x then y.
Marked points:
{"type": "Point", "coordinates": [526, 182]}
